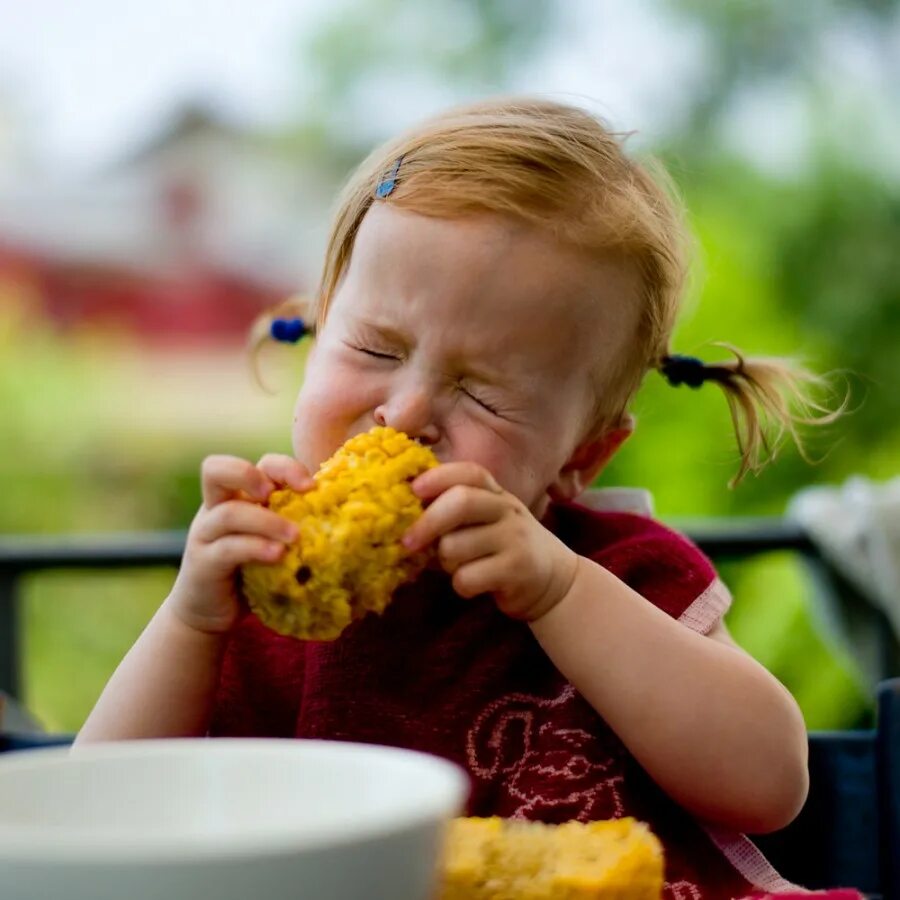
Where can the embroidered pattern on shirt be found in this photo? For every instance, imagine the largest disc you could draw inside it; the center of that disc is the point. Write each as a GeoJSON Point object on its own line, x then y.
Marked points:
{"type": "Point", "coordinates": [546, 766]}
{"type": "Point", "coordinates": [681, 890]}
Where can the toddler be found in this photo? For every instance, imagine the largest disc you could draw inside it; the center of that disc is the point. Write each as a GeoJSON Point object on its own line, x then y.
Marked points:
{"type": "Point", "coordinates": [497, 283]}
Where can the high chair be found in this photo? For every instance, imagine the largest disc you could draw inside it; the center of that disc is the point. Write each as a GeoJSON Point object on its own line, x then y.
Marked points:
{"type": "Point", "coordinates": [848, 832]}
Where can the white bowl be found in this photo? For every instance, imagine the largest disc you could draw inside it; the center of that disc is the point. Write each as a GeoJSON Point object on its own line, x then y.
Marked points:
{"type": "Point", "coordinates": [230, 819]}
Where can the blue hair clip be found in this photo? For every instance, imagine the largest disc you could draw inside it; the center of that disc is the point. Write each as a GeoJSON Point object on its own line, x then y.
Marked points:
{"type": "Point", "coordinates": [288, 331]}
{"type": "Point", "coordinates": [389, 182]}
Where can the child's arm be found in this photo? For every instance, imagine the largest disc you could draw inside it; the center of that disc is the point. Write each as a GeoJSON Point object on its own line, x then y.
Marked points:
{"type": "Point", "coordinates": [712, 727]}
{"type": "Point", "coordinates": [166, 684]}
{"type": "Point", "coordinates": [164, 687]}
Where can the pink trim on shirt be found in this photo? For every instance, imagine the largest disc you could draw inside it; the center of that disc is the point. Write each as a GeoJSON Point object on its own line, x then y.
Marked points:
{"type": "Point", "coordinates": [702, 616]}
{"type": "Point", "coordinates": [746, 857]}
{"type": "Point", "coordinates": [707, 610]}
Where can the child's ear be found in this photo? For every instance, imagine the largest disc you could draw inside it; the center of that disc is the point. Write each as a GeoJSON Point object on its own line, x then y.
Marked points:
{"type": "Point", "coordinates": [588, 460]}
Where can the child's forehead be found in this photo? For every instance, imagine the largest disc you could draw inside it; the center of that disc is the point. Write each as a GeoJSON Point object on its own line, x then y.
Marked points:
{"type": "Point", "coordinates": [485, 261]}
{"type": "Point", "coordinates": [494, 282]}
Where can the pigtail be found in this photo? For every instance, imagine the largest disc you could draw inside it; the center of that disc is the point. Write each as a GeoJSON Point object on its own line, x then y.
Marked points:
{"type": "Point", "coordinates": [287, 322]}
{"type": "Point", "coordinates": [769, 398]}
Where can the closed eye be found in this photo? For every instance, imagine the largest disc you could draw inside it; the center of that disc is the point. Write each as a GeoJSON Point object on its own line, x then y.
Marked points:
{"type": "Point", "coordinates": [378, 354]}
{"type": "Point", "coordinates": [481, 402]}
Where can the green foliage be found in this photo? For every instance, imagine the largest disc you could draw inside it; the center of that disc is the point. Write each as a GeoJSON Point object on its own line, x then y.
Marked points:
{"type": "Point", "coordinates": [759, 43]}
{"type": "Point", "coordinates": [838, 269]}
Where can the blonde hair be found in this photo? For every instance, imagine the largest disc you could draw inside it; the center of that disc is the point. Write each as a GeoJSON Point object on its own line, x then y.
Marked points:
{"type": "Point", "coordinates": [559, 168]}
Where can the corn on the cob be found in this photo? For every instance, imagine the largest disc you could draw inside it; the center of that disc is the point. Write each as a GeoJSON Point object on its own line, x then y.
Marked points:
{"type": "Point", "coordinates": [497, 859]}
{"type": "Point", "coordinates": [347, 559]}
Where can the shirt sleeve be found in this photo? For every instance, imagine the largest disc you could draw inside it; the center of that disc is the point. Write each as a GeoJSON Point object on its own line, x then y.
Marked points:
{"type": "Point", "coordinates": [662, 565]}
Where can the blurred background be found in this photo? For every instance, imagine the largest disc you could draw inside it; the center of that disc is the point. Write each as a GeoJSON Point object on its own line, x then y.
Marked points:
{"type": "Point", "coordinates": [167, 171]}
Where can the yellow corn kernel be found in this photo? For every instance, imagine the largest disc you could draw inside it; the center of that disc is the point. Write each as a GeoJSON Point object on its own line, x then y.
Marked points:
{"type": "Point", "coordinates": [348, 559]}
{"type": "Point", "coordinates": [499, 859]}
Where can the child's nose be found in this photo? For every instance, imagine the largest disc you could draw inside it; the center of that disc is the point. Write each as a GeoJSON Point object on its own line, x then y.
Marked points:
{"type": "Point", "coordinates": [411, 412]}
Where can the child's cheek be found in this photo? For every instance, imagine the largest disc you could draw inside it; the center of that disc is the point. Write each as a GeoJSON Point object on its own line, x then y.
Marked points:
{"type": "Point", "coordinates": [488, 452]}
{"type": "Point", "coordinates": [512, 471]}
{"type": "Point", "coordinates": [334, 404]}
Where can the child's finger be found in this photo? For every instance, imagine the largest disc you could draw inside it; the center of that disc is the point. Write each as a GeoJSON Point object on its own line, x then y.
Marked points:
{"type": "Point", "coordinates": [233, 550]}
{"type": "Point", "coordinates": [435, 481]}
{"type": "Point", "coordinates": [458, 548]}
{"type": "Point", "coordinates": [458, 506]}
{"type": "Point", "coordinates": [224, 477]}
{"type": "Point", "coordinates": [239, 517]}
{"type": "Point", "coordinates": [481, 576]}
{"type": "Point", "coordinates": [286, 470]}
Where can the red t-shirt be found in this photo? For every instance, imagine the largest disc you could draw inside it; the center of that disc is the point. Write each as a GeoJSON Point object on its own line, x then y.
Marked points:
{"type": "Point", "coordinates": [457, 678]}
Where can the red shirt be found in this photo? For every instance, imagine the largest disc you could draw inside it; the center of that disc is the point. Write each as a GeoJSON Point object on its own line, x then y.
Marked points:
{"type": "Point", "coordinates": [457, 678]}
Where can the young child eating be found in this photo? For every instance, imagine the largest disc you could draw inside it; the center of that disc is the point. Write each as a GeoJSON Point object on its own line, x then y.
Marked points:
{"type": "Point", "coordinates": [497, 284]}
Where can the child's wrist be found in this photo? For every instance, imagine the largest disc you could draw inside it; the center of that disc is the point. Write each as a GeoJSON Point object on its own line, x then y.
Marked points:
{"type": "Point", "coordinates": [189, 623]}
{"type": "Point", "coordinates": [564, 575]}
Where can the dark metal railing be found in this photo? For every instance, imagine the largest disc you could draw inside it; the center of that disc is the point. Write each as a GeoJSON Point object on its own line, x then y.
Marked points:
{"type": "Point", "coordinates": [21, 555]}
{"type": "Point", "coordinates": [842, 611]}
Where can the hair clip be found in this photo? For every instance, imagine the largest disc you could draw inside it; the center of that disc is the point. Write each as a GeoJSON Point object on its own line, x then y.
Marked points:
{"type": "Point", "coordinates": [389, 182]}
{"type": "Point", "coordinates": [689, 370]}
{"type": "Point", "coordinates": [288, 331]}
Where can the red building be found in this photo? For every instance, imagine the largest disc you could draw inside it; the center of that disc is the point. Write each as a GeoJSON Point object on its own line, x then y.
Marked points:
{"type": "Point", "coordinates": [185, 240]}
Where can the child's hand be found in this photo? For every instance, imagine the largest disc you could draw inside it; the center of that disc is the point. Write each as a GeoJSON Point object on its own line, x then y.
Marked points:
{"type": "Point", "coordinates": [489, 541]}
{"type": "Point", "coordinates": [230, 529]}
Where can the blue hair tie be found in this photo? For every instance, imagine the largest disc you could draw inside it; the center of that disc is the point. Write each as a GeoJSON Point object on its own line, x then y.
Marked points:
{"type": "Point", "coordinates": [389, 181]}
{"type": "Point", "coordinates": [288, 331]}
{"type": "Point", "coordinates": [687, 370]}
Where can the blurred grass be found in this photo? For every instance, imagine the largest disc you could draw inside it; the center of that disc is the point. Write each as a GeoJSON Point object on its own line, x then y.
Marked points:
{"type": "Point", "coordinates": [92, 445]}
{"type": "Point", "coordinates": [76, 629]}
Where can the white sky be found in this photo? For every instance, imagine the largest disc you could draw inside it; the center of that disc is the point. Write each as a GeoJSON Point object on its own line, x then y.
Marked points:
{"type": "Point", "coordinates": [89, 78]}
{"type": "Point", "coordinates": [92, 75]}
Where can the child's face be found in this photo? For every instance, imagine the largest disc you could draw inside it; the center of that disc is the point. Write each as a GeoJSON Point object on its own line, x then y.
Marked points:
{"type": "Point", "coordinates": [477, 336]}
